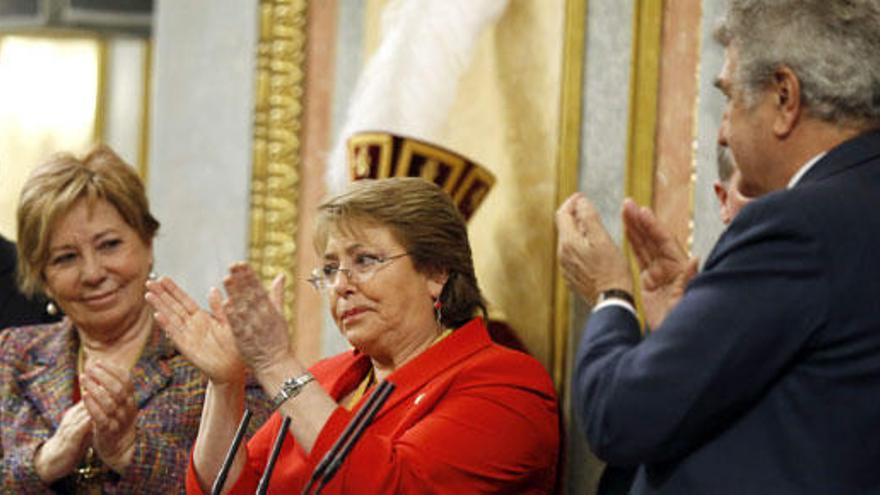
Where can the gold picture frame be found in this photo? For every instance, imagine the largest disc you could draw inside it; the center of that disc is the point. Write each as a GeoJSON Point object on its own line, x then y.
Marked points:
{"type": "Point", "coordinates": [278, 116]}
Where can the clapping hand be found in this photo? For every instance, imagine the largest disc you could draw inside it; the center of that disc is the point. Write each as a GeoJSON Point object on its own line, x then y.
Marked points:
{"type": "Point", "coordinates": [205, 339]}
{"type": "Point", "coordinates": [108, 395]}
{"type": "Point", "coordinates": [256, 318]}
{"type": "Point", "coordinates": [62, 452]}
{"type": "Point", "coordinates": [590, 261]}
{"type": "Point", "coordinates": [665, 267]}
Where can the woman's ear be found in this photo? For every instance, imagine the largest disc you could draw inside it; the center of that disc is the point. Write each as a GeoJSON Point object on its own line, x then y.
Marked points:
{"type": "Point", "coordinates": [44, 285]}
{"type": "Point", "coordinates": [436, 282]}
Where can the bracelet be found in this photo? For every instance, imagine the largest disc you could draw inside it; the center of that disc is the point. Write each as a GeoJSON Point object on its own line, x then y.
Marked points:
{"type": "Point", "coordinates": [291, 388]}
{"type": "Point", "coordinates": [616, 294]}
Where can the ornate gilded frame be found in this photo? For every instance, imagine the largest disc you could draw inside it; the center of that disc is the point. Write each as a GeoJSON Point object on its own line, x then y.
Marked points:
{"type": "Point", "coordinates": [567, 168]}
{"type": "Point", "coordinates": [641, 144]}
{"type": "Point", "coordinates": [278, 116]}
{"type": "Point", "coordinates": [644, 89]}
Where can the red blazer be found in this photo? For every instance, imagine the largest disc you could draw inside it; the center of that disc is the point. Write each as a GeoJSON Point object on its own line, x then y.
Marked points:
{"type": "Point", "coordinates": [466, 416]}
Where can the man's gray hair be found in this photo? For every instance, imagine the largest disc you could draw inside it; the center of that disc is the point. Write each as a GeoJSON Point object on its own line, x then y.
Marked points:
{"type": "Point", "coordinates": [833, 46]}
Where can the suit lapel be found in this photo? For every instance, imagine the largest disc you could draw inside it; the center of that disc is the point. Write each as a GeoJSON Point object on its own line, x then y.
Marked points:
{"type": "Point", "coordinates": [446, 354]}
{"type": "Point", "coordinates": [49, 382]}
{"type": "Point", "coordinates": [152, 372]}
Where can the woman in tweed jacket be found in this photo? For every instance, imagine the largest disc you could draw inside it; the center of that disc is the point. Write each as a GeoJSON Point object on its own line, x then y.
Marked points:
{"type": "Point", "coordinates": [100, 402]}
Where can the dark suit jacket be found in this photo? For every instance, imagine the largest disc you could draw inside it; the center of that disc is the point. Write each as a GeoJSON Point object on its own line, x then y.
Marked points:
{"type": "Point", "coordinates": [15, 309]}
{"type": "Point", "coordinates": [765, 379]}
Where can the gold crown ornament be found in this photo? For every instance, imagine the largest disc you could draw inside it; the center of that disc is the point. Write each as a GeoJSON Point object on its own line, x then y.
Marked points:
{"type": "Point", "coordinates": [379, 155]}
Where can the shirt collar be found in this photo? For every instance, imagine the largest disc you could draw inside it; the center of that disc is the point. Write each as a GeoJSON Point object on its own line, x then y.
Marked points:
{"type": "Point", "coordinates": [804, 169]}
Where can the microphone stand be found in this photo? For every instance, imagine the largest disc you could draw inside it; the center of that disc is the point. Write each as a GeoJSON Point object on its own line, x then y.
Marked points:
{"type": "Point", "coordinates": [230, 454]}
{"type": "Point", "coordinates": [273, 457]}
{"type": "Point", "coordinates": [334, 458]}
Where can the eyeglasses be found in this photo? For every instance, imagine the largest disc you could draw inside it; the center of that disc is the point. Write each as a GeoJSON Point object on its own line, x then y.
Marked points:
{"type": "Point", "coordinates": [362, 268]}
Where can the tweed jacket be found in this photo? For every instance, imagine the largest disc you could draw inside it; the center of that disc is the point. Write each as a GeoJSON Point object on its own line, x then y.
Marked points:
{"type": "Point", "coordinates": [37, 375]}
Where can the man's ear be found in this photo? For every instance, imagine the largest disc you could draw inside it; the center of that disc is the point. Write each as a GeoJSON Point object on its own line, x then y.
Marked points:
{"type": "Point", "coordinates": [786, 88]}
{"type": "Point", "coordinates": [721, 194]}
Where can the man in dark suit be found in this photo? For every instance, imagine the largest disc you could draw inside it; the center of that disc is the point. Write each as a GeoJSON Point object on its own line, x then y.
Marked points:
{"type": "Point", "coordinates": [765, 376]}
{"type": "Point", "coordinates": [15, 308]}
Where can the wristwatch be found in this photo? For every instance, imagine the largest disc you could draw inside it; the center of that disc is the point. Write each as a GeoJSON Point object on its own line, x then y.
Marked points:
{"type": "Point", "coordinates": [291, 388]}
{"type": "Point", "coordinates": [616, 294]}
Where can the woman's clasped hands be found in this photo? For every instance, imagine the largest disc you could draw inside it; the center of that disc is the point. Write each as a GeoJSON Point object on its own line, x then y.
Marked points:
{"type": "Point", "coordinates": [104, 419]}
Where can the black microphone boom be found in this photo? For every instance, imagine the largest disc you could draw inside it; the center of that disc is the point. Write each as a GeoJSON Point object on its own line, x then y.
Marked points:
{"type": "Point", "coordinates": [230, 454]}
{"type": "Point", "coordinates": [273, 457]}
{"type": "Point", "coordinates": [334, 457]}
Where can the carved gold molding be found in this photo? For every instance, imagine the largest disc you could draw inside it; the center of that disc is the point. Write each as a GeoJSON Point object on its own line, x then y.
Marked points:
{"type": "Point", "coordinates": [100, 124]}
{"type": "Point", "coordinates": [277, 144]}
{"type": "Point", "coordinates": [644, 94]}
{"type": "Point", "coordinates": [144, 138]}
{"type": "Point", "coordinates": [567, 169]}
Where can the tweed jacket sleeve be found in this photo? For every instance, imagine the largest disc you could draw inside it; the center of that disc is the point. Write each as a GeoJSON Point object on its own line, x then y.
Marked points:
{"type": "Point", "coordinates": [37, 373]}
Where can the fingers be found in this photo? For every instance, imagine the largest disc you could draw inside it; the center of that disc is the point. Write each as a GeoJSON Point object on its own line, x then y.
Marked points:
{"type": "Point", "coordinates": [75, 421]}
{"type": "Point", "coordinates": [589, 258]}
{"type": "Point", "coordinates": [215, 301]}
{"type": "Point", "coordinates": [589, 223]}
{"type": "Point", "coordinates": [587, 219]}
{"type": "Point", "coordinates": [173, 306]}
{"type": "Point", "coordinates": [259, 328]}
{"type": "Point", "coordinates": [565, 218]}
{"type": "Point", "coordinates": [109, 418]}
{"type": "Point", "coordinates": [649, 240]}
{"type": "Point", "coordinates": [568, 206]}
{"type": "Point", "coordinates": [242, 279]}
{"type": "Point", "coordinates": [634, 234]}
{"type": "Point", "coordinates": [108, 395]}
{"type": "Point", "coordinates": [246, 294]}
{"type": "Point", "coordinates": [110, 376]}
{"type": "Point", "coordinates": [276, 294]}
{"type": "Point", "coordinates": [59, 454]}
{"type": "Point", "coordinates": [574, 214]}
{"type": "Point", "coordinates": [578, 222]}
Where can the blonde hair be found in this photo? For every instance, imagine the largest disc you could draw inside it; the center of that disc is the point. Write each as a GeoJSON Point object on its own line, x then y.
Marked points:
{"type": "Point", "coordinates": [423, 219]}
{"type": "Point", "coordinates": [56, 185]}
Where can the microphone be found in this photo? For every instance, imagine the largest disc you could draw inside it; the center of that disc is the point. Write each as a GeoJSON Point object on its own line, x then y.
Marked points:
{"type": "Point", "coordinates": [334, 458]}
{"type": "Point", "coordinates": [273, 457]}
{"type": "Point", "coordinates": [230, 454]}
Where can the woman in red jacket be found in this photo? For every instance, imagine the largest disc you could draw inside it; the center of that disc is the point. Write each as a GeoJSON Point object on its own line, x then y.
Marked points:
{"type": "Point", "coordinates": [466, 416]}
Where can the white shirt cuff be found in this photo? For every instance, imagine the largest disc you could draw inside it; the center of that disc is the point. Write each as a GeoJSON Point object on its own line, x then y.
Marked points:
{"type": "Point", "coordinates": [613, 301]}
